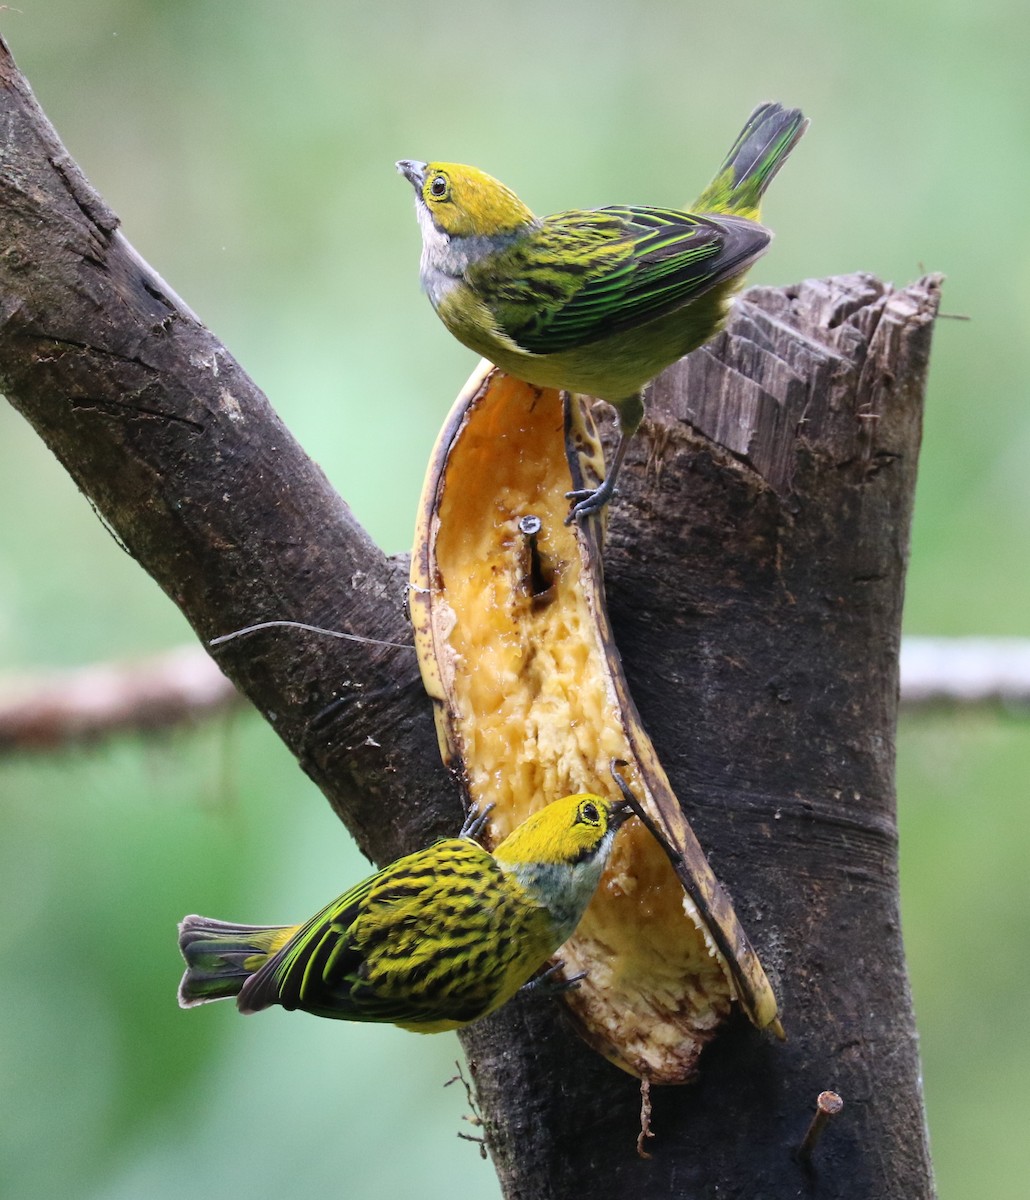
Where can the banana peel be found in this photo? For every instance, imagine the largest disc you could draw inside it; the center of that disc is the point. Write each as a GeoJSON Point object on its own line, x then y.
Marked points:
{"type": "Point", "coordinates": [516, 652]}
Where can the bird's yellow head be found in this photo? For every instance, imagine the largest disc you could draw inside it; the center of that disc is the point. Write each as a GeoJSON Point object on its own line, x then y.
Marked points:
{"type": "Point", "coordinates": [557, 856]}
{"type": "Point", "coordinates": [573, 830]}
{"type": "Point", "coordinates": [464, 201]}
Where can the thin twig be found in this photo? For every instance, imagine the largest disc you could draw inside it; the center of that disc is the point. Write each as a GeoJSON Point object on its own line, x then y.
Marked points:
{"type": "Point", "coordinates": [473, 1117]}
{"type": "Point", "coordinates": [44, 711]}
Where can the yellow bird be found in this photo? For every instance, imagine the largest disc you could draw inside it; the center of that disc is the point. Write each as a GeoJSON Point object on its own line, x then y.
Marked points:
{"type": "Point", "coordinates": [433, 941]}
{"type": "Point", "coordinates": [596, 301]}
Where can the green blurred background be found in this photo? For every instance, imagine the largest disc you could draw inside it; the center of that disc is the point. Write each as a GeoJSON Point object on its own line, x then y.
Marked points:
{"type": "Point", "coordinates": [249, 150]}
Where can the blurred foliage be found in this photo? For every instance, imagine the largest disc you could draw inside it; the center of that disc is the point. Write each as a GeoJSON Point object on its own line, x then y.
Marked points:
{"type": "Point", "coordinates": [249, 150]}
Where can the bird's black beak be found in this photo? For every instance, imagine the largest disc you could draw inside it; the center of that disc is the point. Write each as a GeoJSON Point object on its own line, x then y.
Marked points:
{"type": "Point", "coordinates": [413, 171]}
{"type": "Point", "coordinates": [621, 813]}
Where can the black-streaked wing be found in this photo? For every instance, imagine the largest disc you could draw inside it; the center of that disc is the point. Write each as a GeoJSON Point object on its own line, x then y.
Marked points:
{"type": "Point", "coordinates": [379, 952]}
{"type": "Point", "coordinates": [659, 261]}
{"type": "Point", "coordinates": [428, 941]}
{"type": "Point", "coordinates": [280, 979]}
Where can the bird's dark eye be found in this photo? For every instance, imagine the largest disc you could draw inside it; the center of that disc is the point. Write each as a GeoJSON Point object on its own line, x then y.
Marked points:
{"type": "Point", "coordinates": [438, 187]}
{"type": "Point", "coordinates": [589, 814]}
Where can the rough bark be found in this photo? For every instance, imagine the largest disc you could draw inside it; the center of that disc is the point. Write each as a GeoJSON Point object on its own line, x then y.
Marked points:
{"type": "Point", "coordinates": [185, 460]}
{"type": "Point", "coordinates": [756, 564]}
{"type": "Point", "coordinates": [755, 574]}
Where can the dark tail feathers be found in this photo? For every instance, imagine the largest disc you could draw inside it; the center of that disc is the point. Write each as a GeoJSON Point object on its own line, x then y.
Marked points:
{"type": "Point", "coordinates": [221, 956]}
{"type": "Point", "coordinates": [761, 148]}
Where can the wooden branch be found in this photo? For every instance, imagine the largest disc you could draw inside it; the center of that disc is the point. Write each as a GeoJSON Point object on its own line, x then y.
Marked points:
{"type": "Point", "coordinates": [755, 588]}
{"type": "Point", "coordinates": [187, 462]}
{"type": "Point", "coordinates": [47, 710]}
{"type": "Point", "coordinates": [939, 672]}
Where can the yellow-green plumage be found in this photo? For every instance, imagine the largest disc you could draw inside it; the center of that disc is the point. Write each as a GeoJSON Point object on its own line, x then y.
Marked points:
{"type": "Point", "coordinates": [596, 301]}
{"type": "Point", "coordinates": [435, 940]}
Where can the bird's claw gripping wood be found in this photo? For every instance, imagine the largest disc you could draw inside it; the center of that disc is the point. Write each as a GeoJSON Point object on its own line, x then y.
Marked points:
{"type": "Point", "coordinates": [591, 500]}
{"type": "Point", "coordinates": [517, 653]}
{"type": "Point", "coordinates": [551, 982]}
{"type": "Point", "coordinates": [588, 501]}
{"type": "Point", "coordinates": [475, 822]}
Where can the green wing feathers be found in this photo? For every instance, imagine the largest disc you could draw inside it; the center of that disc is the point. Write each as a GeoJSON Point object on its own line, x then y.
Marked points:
{"type": "Point", "coordinates": [580, 281]}
{"type": "Point", "coordinates": [292, 977]}
{"type": "Point", "coordinates": [761, 148]}
{"type": "Point", "coordinates": [577, 277]}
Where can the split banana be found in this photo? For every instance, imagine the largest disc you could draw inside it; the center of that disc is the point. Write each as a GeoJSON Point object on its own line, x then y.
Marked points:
{"type": "Point", "coordinates": [517, 654]}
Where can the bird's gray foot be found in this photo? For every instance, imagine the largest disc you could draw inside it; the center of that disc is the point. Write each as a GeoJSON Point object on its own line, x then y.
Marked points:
{"type": "Point", "coordinates": [546, 983]}
{"type": "Point", "coordinates": [590, 500]}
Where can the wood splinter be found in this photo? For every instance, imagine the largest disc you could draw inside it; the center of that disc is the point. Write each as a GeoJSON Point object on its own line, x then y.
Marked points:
{"type": "Point", "coordinates": [645, 1116]}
